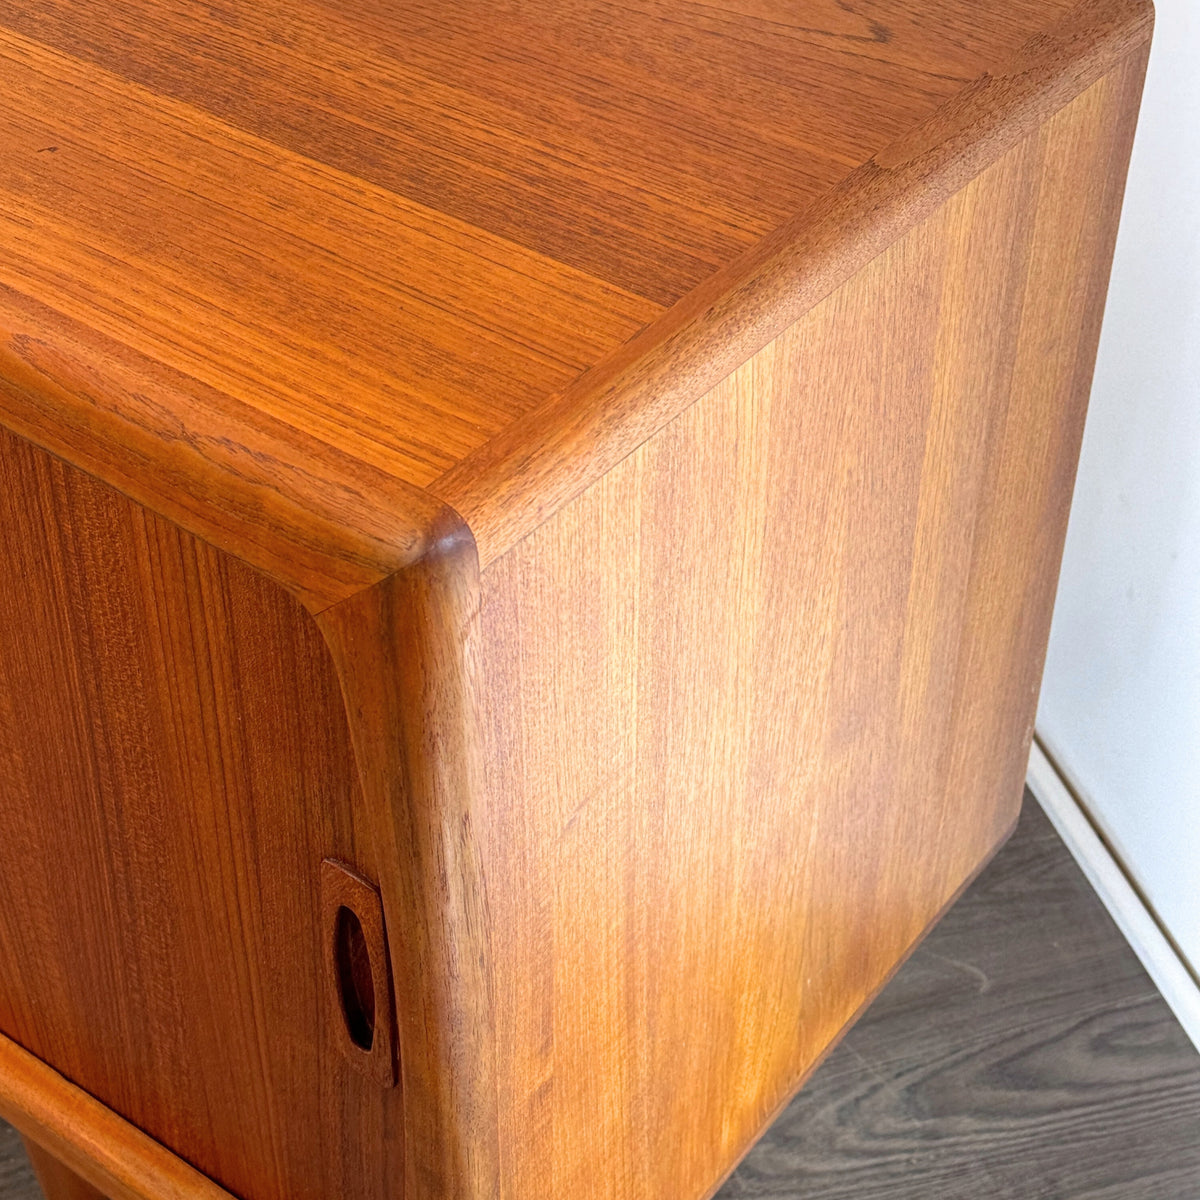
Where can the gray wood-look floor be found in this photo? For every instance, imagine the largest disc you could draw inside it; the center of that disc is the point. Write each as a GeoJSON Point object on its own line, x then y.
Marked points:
{"type": "Point", "coordinates": [1021, 1054]}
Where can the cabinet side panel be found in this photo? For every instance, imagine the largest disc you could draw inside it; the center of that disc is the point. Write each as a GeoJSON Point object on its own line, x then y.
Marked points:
{"type": "Point", "coordinates": [174, 766]}
{"type": "Point", "coordinates": [761, 698]}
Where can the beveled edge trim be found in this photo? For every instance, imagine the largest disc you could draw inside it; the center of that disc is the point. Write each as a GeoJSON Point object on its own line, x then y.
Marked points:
{"type": "Point", "coordinates": [406, 656]}
{"type": "Point", "coordinates": [314, 519]}
{"type": "Point", "coordinates": [101, 1147]}
{"type": "Point", "coordinates": [512, 484]}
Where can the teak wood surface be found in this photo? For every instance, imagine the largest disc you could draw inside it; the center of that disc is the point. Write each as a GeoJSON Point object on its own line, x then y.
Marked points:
{"type": "Point", "coordinates": [592, 474]}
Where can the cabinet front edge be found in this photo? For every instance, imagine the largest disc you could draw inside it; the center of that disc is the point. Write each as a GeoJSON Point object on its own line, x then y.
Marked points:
{"type": "Point", "coordinates": [405, 652]}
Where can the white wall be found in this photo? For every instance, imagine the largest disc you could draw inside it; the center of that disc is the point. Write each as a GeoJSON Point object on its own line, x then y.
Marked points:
{"type": "Point", "coordinates": [1120, 708]}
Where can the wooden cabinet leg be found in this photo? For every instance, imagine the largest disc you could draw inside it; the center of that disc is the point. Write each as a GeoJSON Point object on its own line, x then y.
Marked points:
{"type": "Point", "coordinates": [58, 1182]}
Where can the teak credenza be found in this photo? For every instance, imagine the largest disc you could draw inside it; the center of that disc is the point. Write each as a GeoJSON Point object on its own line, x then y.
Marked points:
{"type": "Point", "coordinates": [527, 541]}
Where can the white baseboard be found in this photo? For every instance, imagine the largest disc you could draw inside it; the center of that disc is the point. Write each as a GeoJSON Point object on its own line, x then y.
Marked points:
{"type": "Point", "coordinates": [1105, 873]}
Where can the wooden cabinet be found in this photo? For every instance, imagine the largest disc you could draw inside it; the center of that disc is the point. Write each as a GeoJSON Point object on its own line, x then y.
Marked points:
{"type": "Point", "coordinates": [527, 540]}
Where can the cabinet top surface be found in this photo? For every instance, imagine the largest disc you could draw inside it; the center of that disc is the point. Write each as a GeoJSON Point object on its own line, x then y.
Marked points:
{"type": "Point", "coordinates": [348, 244]}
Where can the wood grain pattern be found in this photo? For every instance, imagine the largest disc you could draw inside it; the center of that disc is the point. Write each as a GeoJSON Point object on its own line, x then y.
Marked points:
{"type": "Point", "coordinates": [818, 649]}
{"type": "Point", "coordinates": [393, 247]}
{"type": "Point", "coordinates": [645, 143]}
{"type": "Point", "coordinates": [301, 512]}
{"type": "Point", "coordinates": [175, 765]}
{"type": "Point", "coordinates": [539, 462]}
{"type": "Point", "coordinates": [466, 334]}
{"type": "Point", "coordinates": [79, 1146]}
{"type": "Point", "coordinates": [1022, 1051]}
{"type": "Point", "coordinates": [662, 775]}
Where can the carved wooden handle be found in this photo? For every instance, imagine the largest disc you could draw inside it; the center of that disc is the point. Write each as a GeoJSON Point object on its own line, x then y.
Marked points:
{"type": "Point", "coordinates": [359, 971]}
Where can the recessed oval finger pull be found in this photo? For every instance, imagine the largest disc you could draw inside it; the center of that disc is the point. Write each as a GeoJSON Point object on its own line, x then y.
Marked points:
{"type": "Point", "coordinates": [352, 959]}
{"type": "Point", "coordinates": [356, 962]}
